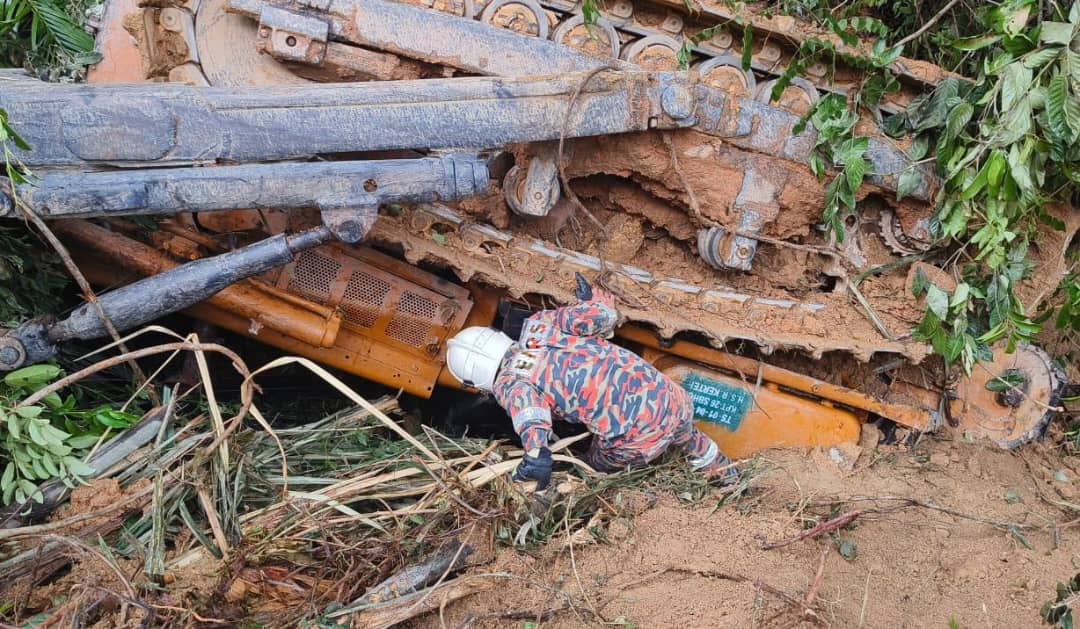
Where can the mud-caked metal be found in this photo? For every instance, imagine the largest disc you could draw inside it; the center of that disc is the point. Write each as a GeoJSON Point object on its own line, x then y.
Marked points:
{"type": "Point", "coordinates": [153, 297]}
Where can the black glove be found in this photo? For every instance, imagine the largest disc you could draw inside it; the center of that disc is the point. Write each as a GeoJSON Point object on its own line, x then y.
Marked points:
{"type": "Point", "coordinates": [582, 291]}
{"type": "Point", "coordinates": [537, 468]}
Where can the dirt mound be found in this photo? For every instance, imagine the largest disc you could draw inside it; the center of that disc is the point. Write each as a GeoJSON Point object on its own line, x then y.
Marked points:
{"type": "Point", "coordinates": [988, 550]}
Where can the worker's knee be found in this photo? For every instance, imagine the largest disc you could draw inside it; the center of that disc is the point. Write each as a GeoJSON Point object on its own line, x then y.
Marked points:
{"type": "Point", "coordinates": [609, 458]}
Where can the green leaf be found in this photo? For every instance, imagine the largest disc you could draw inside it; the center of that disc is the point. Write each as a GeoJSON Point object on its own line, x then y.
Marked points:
{"type": "Point", "coordinates": [1019, 170]}
{"type": "Point", "coordinates": [113, 418]}
{"type": "Point", "coordinates": [975, 186]}
{"type": "Point", "coordinates": [956, 220]}
{"type": "Point", "coordinates": [853, 150]}
{"type": "Point", "coordinates": [920, 284]}
{"type": "Point", "coordinates": [960, 295]}
{"type": "Point", "coordinates": [59, 449]}
{"type": "Point", "coordinates": [50, 465]}
{"type": "Point", "coordinates": [854, 171]}
{"type": "Point", "coordinates": [9, 476]}
{"type": "Point", "coordinates": [958, 119]}
{"type": "Point", "coordinates": [13, 426]}
{"type": "Point", "coordinates": [33, 428]}
{"type": "Point", "coordinates": [919, 147]}
{"type": "Point", "coordinates": [995, 171]}
{"type": "Point", "coordinates": [54, 434]}
{"type": "Point", "coordinates": [39, 470]}
{"type": "Point", "coordinates": [53, 400]}
{"type": "Point", "coordinates": [1015, 17]}
{"type": "Point", "coordinates": [937, 301]}
{"type": "Point", "coordinates": [1062, 110]}
{"type": "Point", "coordinates": [28, 412]}
{"type": "Point", "coordinates": [747, 48]}
{"type": "Point", "coordinates": [590, 14]}
{"type": "Point", "coordinates": [881, 56]}
{"type": "Point", "coordinates": [976, 43]}
{"type": "Point", "coordinates": [1041, 57]}
{"type": "Point", "coordinates": [908, 183]}
{"type": "Point", "coordinates": [31, 376]}
{"type": "Point", "coordinates": [1056, 33]}
{"type": "Point", "coordinates": [817, 166]}
{"type": "Point", "coordinates": [60, 27]}
{"type": "Point", "coordinates": [82, 441]}
{"type": "Point", "coordinates": [1015, 82]}
{"type": "Point", "coordinates": [77, 467]}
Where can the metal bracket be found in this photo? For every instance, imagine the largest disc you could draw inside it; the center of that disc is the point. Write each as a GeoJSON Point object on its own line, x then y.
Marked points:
{"type": "Point", "coordinates": [349, 219]}
{"type": "Point", "coordinates": [290, 37]}
{"type": "Point", "coordinates": [536, 190]}
{"type": "Point", "coordinates": [755, 206]}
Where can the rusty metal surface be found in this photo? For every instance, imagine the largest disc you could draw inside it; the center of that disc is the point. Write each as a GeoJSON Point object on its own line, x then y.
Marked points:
{"type": "Point", "coordinates": [749, 122]}
{"type": "Point", "coordinates": [173, 290]}
{"type": "Point", "coordinates": [121, 59]}
{"type": "Point", "coordinates": [348, 307]}
{"type": "Point", "coordinates": [153, 297]}
{"type": "Point", "coordinates": [624, 24]}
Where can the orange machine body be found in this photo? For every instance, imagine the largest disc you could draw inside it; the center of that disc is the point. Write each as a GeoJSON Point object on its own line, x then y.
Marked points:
{"type": "Point", "coordinates": [743, 417]}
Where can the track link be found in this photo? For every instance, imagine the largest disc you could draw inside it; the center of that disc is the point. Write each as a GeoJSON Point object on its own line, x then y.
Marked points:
{"type": "Point", "coordinates": [527, 266]}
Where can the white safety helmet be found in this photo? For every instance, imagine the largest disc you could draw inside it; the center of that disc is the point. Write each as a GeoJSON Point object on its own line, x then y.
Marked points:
{"type": "Point", "coordinates": [473, 356]}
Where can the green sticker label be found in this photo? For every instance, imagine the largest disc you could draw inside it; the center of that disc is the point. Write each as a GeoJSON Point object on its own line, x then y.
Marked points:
{"type": "Point", "coordinates": [716, 402]}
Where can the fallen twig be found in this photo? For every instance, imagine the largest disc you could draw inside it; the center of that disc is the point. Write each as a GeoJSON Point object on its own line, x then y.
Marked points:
{"type": "Point", "coordinates": [926, 26]}
{"type": "Point", "coordinates": [811, 594]}
{"type": "Point", "coordinates": [827, 526]}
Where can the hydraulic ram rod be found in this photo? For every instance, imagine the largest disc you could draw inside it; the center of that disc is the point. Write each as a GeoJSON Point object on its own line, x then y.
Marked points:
{"type": "Point", "coordinates": [167, 124]}
{"type": "Point", "coordinates": [166, 191]}
{"type": "Point", "coordinates": [153, 297]}
{"type": "Point", "coordinates": [418, 33]}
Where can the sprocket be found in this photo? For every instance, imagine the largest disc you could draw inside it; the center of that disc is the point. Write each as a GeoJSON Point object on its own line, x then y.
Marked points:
{"type": "Point", "coordinates": [892, 232]}
{"type": "Point", "coordinates": [1011, 399]}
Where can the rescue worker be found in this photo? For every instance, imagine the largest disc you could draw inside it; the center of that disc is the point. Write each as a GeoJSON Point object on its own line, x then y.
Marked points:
{"type": "Point", "coordinates": [564, 363]}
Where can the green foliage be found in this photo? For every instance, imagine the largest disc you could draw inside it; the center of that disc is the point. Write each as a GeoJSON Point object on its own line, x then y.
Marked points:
{"type": "Point", "coordinates": [1006, 146]}
{"type": "Point", "coordinates": [47, 440]}
{"type": "Point", "coordinates": [590, 12]}
{"type": "Point", "coordinates": [685, 53]}
{"type": "Point", "coordinates": [839, 148]}
{"type": "Point", "coordinates": [895, 19]}
{"type": "Point", "coordinates": [45, 33]}
{"type": "Point", "coordinates": [30, 282]}
{"type": "Point", "coordinates": [1057, 612]}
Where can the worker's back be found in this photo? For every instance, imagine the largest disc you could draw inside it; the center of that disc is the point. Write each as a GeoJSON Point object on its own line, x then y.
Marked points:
{"type": "Point", "coordinates": [583, 377]}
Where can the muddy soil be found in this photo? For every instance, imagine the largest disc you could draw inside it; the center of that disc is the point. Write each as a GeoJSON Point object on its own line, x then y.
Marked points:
{"type": "Point", "coordinates": [914, 567]}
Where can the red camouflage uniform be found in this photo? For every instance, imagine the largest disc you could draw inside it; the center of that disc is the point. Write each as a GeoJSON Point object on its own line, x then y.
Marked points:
{"type": "Point", "coordinates": [562, 363]}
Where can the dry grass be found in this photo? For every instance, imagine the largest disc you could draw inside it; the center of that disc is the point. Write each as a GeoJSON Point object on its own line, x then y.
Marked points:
{"type": "Point", "coordinates": [220, 520]}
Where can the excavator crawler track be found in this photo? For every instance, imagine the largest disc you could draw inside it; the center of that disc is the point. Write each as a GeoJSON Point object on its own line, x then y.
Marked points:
{"type": "Point", "coordinates": [525, 266]}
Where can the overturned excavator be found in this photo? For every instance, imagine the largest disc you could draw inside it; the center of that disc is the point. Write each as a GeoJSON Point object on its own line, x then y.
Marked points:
{"type": "Point", "coordinates": [356, 180]}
